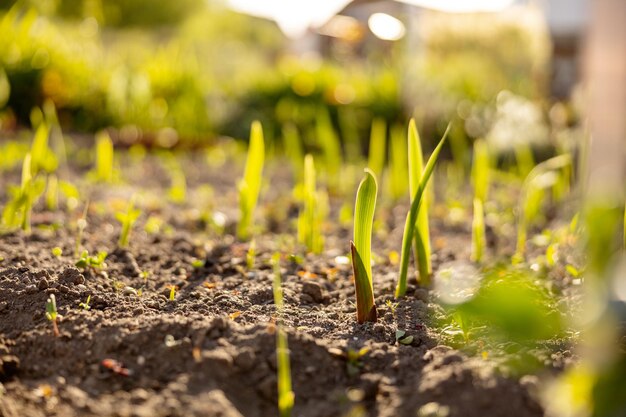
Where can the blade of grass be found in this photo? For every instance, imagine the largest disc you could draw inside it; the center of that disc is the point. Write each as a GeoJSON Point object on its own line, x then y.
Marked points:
{"type": "Point", "coordinates": [409, 227]}
{"type": "Point", "coordinates": [361, 247]}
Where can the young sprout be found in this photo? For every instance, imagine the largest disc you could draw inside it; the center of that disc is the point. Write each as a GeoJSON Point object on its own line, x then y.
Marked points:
{"type": "Point", "coordinates": [378, 147]}
{"type": "Point", "coordinates": [97, 261]}
{"type": "Point", "coordinates": [361, 248]}
{"type": "Point", "coordinates": [354, 360]}
{"type": "Point", "coordinates": [422, 237]}
{"type": "Point", "coordinates": [104, 157]}
{"type": "Point", "coordinates": [251, 255]}
{"type": "Point", "coordinates": [57, 252]}
{"type": "Point", "coordinates": [127, 218]}
{"type": "Point", "coordinates": [250, 184]}
{"type": "Point", "coordinates": [293, 149]}
{"type": "Point", "coordinates": [409, 226]}
{"type": "Point", "coordinates": [285, 392]}
{"type": "Point", "coordinates": [480, 181]}
{"type": "Point", "coordinates": [310, 219]}
{"type": "Point", "coordinates": [52, 314]}
{"type": "Point", "coordinates": [172, 296]}
{"type": "Point", "coordinates": [540, 177]}
{"type": "Point", "coordinates": [85, 306]}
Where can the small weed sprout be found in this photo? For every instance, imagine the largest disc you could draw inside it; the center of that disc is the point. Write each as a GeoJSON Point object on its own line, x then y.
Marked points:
{"type": "Point", "coordinates": [411, 218]}
{"type": "Point", "coordinates": [94, 262]}
{"type": "Point", "coordinates": [52, 314]}
{"type": "Point", "coordinates": [480, 181]}
{"type": "Point", "coordinates": [285, 392]}
{"type": "Point", "coordinates": [85, 306]}
{"type": "Point", "coordinates": [18, 210]}
{"type": "Point", "coordinates": [392, 306]}
{"type": "Point", "coordinates": [422, 235]}
{"type": "Point", "coordinates": [312, 215]}
{"type": "Point", "coordinates": [361, 248]}
{"type": "Point", "coordinates": [57, 252]}
{"type": "Point", "coordinates": [172, 296]}
{"type": "Point", "coordinates": [250, 184]}
{"type": "Point", "coordinates": [127, 219]}
{"type": "Point", "coordinates": [354, 360]}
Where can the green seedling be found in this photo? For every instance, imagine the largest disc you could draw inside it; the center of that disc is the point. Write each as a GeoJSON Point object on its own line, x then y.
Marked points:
{"type": "Point", "coordinates": [95, 262]}
{"type": "Point", "coordinates": [52, 314]}
{"type": "Point", "coordinates": [540, 178]}
{"type": "Point", "coordinates": [478, 232]}
{"type": "Point", "coordinates": [361, 248]}
{"type": "Point", "coordinates": [196, 263]}
{"type": "Point", "coordinates": [411, 218]}
{"type": "Point", "coordinates": [422, 235]}
{"type": "Point", "coordinates": [398, 167]}
{"type": "Point", "coordinates": [311, 217]}
{"type": "Point", "coordinates": [392, 307]}
{"type": "Point", "coordinates": [57, 252]}
{"type": "Point", "coordinates": [285, 393]}
{"type": "Point", "coordinates": [480, 181]}
{"type": "Point", "coordinates": [43, 159]}
{"type": "Point", "coordinates": [172, 296]}
{"type": "Point", "coordinates": [354, 360]}
{"type": "Point", "coordinates": [85, 306]}
{"type": "Point", "coordinates": [250, 184]}
{"type": "Point", "coordinates": [525, 159]}
{"type": "Point", "coordinates": [251, 255]}
{"type": "Point", "coordinates": [330, 145]}
{"type": "Point", "coordinates": [17, 212]}
{"type": "Point", "coordinates": [378, 147]}
{"type": "Point", "coordinates": [104, 171]}
{"type": "Point", "coordinates": [127, 219]}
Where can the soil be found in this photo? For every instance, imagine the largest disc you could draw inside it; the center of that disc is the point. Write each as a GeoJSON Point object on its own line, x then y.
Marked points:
{"type": "Point", "coordinates": [211, 351]}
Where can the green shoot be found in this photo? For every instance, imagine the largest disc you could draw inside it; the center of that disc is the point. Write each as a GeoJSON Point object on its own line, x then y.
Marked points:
{"type": "Point", "coordinates": [172, 296]}
{"type": "Point", "coordinates": [96, 261]}
{"type": "Point", "coordinates": [422, 237]}
{"type": "Point", "coordinates": [52, 314]}
{"type": "Point", "coordinates": [104, 157]}
{"type": "Point", "coordinates": [18, 210]}
{"type": "Point", "coordinates": [398, 167]}
{"type": "Point", "coordinates": [57, 252]}
{"type": "Point", "coordinates": [362, 246]}
{"type": "Point", "coordinates": [540, 177]}
{"type": "Point", "coordinates": [478, 231]}
{"type": "Point", "coordinates": [250, 184]}
{"type": "Point", "coordinates": [251, 255]}
{"type": "Point", "coordinates": [312, 216]}
{"type": "Point", "coordinates": [42, 157]}
{"type": "Point", "coordinates": [480, 181]}
{"type": "Point", "coordinates": [378, 146]}
{"type": "Point", "coordinates": [127, 218]}
{"type": "Point", "coordinates": [285, 392]}
{"type": "Point", "coordinates": [409, 227]}
{"type": "Point", "coordinates": [85, 306]}
{"type": "Point", "coordinates": [354, 360]}
{"type": "Point", "coordinates": [403, 338]}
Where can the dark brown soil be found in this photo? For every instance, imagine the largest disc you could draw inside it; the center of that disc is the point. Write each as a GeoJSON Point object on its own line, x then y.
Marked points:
{"type": "Point", "coordinates": [211, 351]}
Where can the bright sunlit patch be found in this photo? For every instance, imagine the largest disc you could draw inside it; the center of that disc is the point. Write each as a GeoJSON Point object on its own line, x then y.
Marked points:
{"type": "Point", "coordinates": [386, 27]}
{"type": "Point", "coordinates": [293, 17]}
{"type": "Point", "coordinates": [462, 6]}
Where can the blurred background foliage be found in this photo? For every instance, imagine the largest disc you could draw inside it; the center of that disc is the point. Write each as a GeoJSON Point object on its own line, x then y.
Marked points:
{"type": "Point", "coordinates": [189, 71]}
